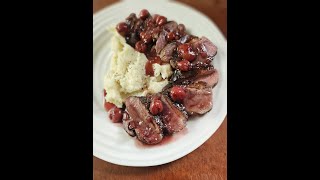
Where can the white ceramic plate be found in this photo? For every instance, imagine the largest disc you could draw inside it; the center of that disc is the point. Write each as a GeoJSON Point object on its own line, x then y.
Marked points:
{"type": "Point", "coordinates": [110, 141]}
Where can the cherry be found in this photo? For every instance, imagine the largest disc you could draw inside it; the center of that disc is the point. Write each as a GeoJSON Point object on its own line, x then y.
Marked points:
{"type": "Point", "coordinates": [156, 107]}
{"type": "Point", "coordinates": [161, 20]}
{"type": "Point", "coordinates": [146, 37]}
{"type": "Point", "coordinates": [186, 52]}
{"type": "Point", "coordinates": [177, 93]}
{"type": "Point", "coordinates": [171, 36]}
{"type": "Point", "coordinates": [183, 65]}
{"type": "Point", "coordinates": [122, 28]}
{"type": "Point", "coordinates": [144, 14]}
{"type": "Point", "coordinates": [141, 47]}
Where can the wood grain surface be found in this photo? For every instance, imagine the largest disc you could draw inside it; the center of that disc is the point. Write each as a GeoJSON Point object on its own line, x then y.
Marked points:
{"type": "Point", "coordinates": [209, 161]}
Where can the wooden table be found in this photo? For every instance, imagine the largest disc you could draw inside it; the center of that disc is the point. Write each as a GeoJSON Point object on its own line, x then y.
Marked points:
{"type": "Point", "coordinates": [209, 161]}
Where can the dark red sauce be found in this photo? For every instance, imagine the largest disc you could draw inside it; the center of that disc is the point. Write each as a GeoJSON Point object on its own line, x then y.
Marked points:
{"type": "Point", "coordinates": [166, 140]}
{"type": "Point", "coordinates": [149, 68]}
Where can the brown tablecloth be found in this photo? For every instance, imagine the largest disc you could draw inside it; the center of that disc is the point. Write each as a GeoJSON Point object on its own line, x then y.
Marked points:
{"type": "Point", "coordinates": [206, 162]}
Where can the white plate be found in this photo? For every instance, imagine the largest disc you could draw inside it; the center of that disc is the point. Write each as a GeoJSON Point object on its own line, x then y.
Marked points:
{"type": "Point", "coordinates": [110, 142]}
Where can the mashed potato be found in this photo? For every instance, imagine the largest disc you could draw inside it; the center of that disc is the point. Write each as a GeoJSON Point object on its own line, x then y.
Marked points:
{"type": "Point", "coordinates": [126, 75]}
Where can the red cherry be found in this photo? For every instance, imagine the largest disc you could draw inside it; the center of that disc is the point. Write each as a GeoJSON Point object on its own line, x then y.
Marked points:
{"type": "Point", "coordinates": [183, 65]}
{"type": "Point", "coordinates": [156, 107]}
{"type": "Point", "coordinates": [144, 14]}
{"type": "Point", "coordinates": [177, 93]}
{"type": "Point", "coordinates": [122, 28]}
{"type": "Point", "coordinates": [171, 36]}
{"type": "Point", "coordinates": [140, 46]}
{"type": "Point", "coordinates": [186, 52]}
{"type": "Point", "coordinates": [161, 20]}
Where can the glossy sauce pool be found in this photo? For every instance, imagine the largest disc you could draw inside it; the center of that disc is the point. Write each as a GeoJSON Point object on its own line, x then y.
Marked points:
{"type": "Point", "coordinates": [166, 140]}
{"type": "Point", "coordinates": [148, 66]}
